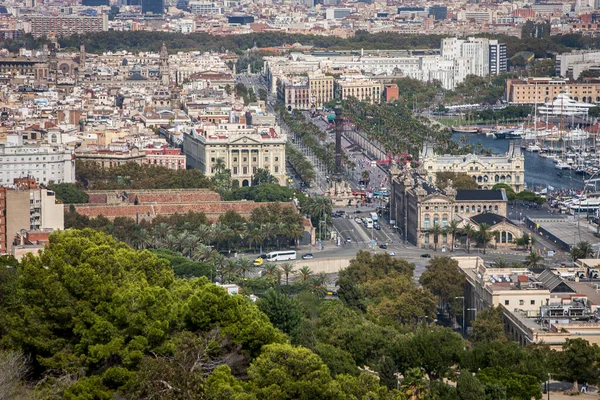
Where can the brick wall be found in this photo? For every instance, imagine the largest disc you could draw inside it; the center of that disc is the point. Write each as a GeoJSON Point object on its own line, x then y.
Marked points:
{"type": "Point", "coordinates": [148, 211]}
{"type": "Point", "coordinates": [153, 196]}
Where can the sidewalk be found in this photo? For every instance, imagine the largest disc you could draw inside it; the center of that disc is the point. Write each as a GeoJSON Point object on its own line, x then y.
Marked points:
{"type": "Point", "coordinates": [562, 396]}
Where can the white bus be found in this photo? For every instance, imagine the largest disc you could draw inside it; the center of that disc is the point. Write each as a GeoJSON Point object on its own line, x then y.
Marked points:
{"type": "Point", "coordinates": [281, 256]}
{"type": "Point", "coordinates": [368, 223]}
{"type": "Point", "coordinates": [374, 216]}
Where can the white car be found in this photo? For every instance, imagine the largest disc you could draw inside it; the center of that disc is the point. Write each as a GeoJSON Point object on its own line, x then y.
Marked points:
{"type": "Point", "coordinates": [391, 253]}
{"type": "Point", "coordinates": [358, 220]}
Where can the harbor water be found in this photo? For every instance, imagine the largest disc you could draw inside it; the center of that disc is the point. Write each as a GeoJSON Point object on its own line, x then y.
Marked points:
{"type": "Point", "coordinates": [539, 172]}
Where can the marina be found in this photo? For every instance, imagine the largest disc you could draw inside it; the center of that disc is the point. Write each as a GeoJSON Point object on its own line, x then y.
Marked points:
{"type": "Point", "coordinates": [540, 172]}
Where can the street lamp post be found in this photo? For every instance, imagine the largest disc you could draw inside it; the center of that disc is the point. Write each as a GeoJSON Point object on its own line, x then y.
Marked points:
{"type": "Point", "coordinates": [463, 313]}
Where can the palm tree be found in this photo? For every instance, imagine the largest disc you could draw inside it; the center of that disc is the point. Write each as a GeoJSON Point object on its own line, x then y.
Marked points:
{"type": "Point", "coordinates": [501, 263]}
{"type": "Point", "coordinates": [453, 229]}
{"type": "Point", "coordinates": [533, 259]}
{"type": "Point", "coordinates": [582, 250]}
{"type": "Point", "coordinates": [485, 235]}
{"type": "Point", "coordinates": [254, 236]}
{"type": "Point", "coordinates": [191, 243]}
{"type": "Point", "coordinates": [141, 239]}
{"type": "Point", "coordinates": [281, 231]}
{"type": "Point", "coordinates": [365, 177]}
{"type": "Point", "coordinates": [296, 232]}
{"type": "Point", "coordinates": [205, 233]}
{"type": "Point", "coordinates": [436, 231]}
{"type": "Point", "coordinates": [468, 230]}
{"type": "Point", "coordinates": [244, 266]}
{"type": "Point", "coordinates": [202, 253]}
{"type": "Point", "coordinates": [287, 269]}
{"type": "Point", "coordinates": [219, 165]}
{"type": "Point", "coordinates": [161, 231]}
{"type": "Point", "coordinates": [305, 273]}
{"type": "Point", "coordinates": [271, 270]}
{"type": "Point", "coordinates": [220, 262]}
{"type": "Point", "coordinates": [230, 270]}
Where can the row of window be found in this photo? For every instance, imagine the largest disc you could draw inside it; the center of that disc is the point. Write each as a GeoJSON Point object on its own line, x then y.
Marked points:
{"type": "Point", "coordinates": [521, 302]}
{"type": "Point", "coordinates": [16, 159]}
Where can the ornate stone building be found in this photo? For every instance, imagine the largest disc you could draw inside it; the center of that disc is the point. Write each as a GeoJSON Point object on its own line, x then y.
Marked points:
{"type": "Point", "coordinates": [418, 206]}
{"type": "Point", "coordinates": [240, 148]}
{"type": "Point", "coordinates": [485, 170]}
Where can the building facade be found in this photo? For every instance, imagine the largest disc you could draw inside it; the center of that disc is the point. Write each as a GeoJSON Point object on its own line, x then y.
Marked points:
{"type": "Point", "coordinates": [544, 90]}
{"type": "Point", "coordinates": [362, 89]}
{"type": "Point", "coordinates": [241, 149]}
{"type": "Point", "coordinates": [321, 88]}
{"type": "Point", "coordinates": [112, 158]}
{"type": "Point", "coordinates": [168, 158]}
{"type": "Point", "coordinates": [485, 170]}
{"type": "Point", "coordinates": [67, 25]}
{"type": "Point", "coordinates": [418, 207]}
{"type": "Point", "coordinates": [25, 209]}
{"type": "Point", "coordinates": [45, 164]}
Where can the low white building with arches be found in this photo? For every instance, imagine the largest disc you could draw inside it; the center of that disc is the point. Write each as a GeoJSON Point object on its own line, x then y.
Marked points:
{"type": "Point", "coordinates": [485, 170]}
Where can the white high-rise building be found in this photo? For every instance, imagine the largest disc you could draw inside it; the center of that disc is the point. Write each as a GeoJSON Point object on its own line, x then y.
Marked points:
{"type": "Point", "coordinates": [44, 163]}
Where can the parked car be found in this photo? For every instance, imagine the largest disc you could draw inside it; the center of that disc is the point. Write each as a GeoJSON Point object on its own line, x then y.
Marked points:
{"type": "Point", "coordinates": [391, 253]}
{"type": "Point", "coordinates": [426, 255]}
{"type": "Point", "coordinates": [383, 246]}
{"type": "Point", "coordinates": [307, 256]}
{"type": "Point", "coordinates": [358, 220]}
{"type": "Point", "coordinates": [376, 227]}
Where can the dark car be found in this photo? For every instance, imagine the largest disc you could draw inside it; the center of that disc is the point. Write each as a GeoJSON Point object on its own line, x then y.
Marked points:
{"type": "Point", "coordinates": [426, 255]}
{"type": "Point", "coordinates": [357, 212]}
{"type": "Point", "coordinates": [263, 256]}
{"type": "Point", "coordinates": [383, 246]}
{"type": "Point", "coordinates": [307, 256]}
{"type": "Point", "coordinates": [377, 227]}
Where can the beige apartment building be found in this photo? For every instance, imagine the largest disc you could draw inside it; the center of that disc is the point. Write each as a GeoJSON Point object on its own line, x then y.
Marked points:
{"type": "Point", "coordinates": [242, 149]}
{"type": "Point", "coordinates": [544, 90]}
{"type": "Point", "coordinates": [321, 88]}
{"type": "Point", "coordinates": [485, 170]}
{"type": "Point", "coordinates": [363, 89]}
{"type": "Point", "coordinates": [27, 209]}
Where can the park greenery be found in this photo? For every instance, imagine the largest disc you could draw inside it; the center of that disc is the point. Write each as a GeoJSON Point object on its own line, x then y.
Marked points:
{"type": "Point", "coordinates": [300, 164]}
{"type": "Point", "coordinates": [535, 38]}
{"type": "Point", "coordinates": [92, 318]}
{"type": "Point", "coordinates": [396, 127]}
{"type": "Point", "coordinates": [92, 176]}
{"type": "Point", "coordinates": [310, 134]}
{"type": "Point", "coordinates": [246, 94]}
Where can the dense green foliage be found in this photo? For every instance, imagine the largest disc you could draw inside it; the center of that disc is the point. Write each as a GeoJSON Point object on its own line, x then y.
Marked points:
{"type": "Point", "coordinates": [460, 180]}
{"type": "Point", "coordinates": [134, 176]}
{"type": "Point", "coordinates": [396, 127]}
{"type": "Point", "coordinates": [272, 226]}
{"type": "Point", "coordinates": [300, 164]}
{"type": "Point", "coordinates": [145, 40]}
{"type": "Point", "coordinates": [69, 193]}
{"type": "Point", "coordinates": [265, 192]}
{"type": "Point", "coordinates": [99, 320]}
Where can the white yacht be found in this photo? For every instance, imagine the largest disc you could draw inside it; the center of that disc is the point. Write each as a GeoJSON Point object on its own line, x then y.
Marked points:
{"type": "Point", "coordinates": [533, 148]}
{"type": "Point", "coordinates": [562, 165]}
{"type": "Point", "coordinates": [563, 105]}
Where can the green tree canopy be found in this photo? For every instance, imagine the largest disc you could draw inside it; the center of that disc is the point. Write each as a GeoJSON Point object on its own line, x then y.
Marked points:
{"type": "Point", "coordinates": [68, 193]}
{"type": "Point", "coordinates": [88, 302]}
{"type": "Point", "coordinates": [460, 180]}
{"type": "Point", "coordinates": [295, 373]}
